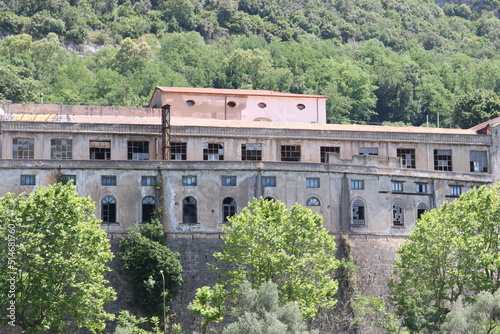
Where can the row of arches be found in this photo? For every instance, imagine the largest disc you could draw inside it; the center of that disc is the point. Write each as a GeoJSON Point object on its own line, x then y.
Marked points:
{"type": "Point", "coordinates": [398, 212]}
{"type": "Point", "coordinates": [189, 209]}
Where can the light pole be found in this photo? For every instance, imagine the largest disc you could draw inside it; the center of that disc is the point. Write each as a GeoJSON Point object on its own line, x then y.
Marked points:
{"type": "Point", "coordinates": [164, 306]}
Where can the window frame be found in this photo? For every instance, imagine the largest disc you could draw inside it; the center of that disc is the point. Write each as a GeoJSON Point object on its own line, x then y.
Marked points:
{"type": "Point", "coordinates": [355, 183]}
{"type": "Point", "coordinates": [478, 162]}
{"type": "Point", "coordinates": [148, 180]}
{"type": "Point", "coordinates": [111, 180]}
{"type": "Point", "coordinates": [148, 206]}
{"type": "Point", "coordinates": [138, 150]}
{"type": "Point", "coordinates": [367, 150]}
{"type": "Point", "coordinates": [109, 209]}
{"type": "Point", "coordinates": [228, 181]}
{"type": "Point", "coordinates": [312, 182]}
{"type": "Point", "coordinates": [455, 190]}
{"type": "Point", "coordinates": [397, 186]}
{"type": "Point", "coordinates": [325, 150]}
{"type": "Point", "coordinates": [268, 181]}
{"type": "Point", "coordinates": [441, 156]}
{"type": "Point", "coordinates": [98, 148]}
{"type": "Point", "coordinates": [186, 207]}
{"type": "Point", "coordinates": [290, 153]}
{"type": "Point", "coordinates": [27, 180]}
{"type": "Point", "coordinates": [23, 150]}
{"type": "Point", "coordinates": [403, 153]}
{"type": "Point", "coordinates": [251, 152]}
{"type": "Point", "coordinates": [189, 180]}
{"type": "Point", "coordinates": [178, 151]}
{"type": "Point", "coordinates": [358, 217]}
{"type": "Point", "coordinates": [228, 208]}
{"type": "Point", "coordinates": [213, 151]}
{"type": "Point", "coordinates": [313, 201]}
{"type": "Point", "coordinates": [398, 214]}
{"type": "Point", "coordinates": [61, 149]}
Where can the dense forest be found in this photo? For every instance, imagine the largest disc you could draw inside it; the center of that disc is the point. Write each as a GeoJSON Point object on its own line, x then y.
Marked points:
{"type": "Point", "coordinates": [378, 60]}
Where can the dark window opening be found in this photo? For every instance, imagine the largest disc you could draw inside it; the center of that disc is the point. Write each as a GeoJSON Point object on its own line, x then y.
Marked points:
{"type": "Point", "coordinates": [313, 201]}
{"type": "Point", "coordinates": [478, 161]}
{"type": "Point", "coordinates": [328, 149]}
{"type": "Point", "coordinates": [228, 208]}
{"type": "Point", "coordinates": [178, 151]}
{"type": "Point", "coordinates": [251, 152]}
{"type": "Point", "coordinates": [407, 156]}
{"type": "Point", "coordinates": [100, 150]}
{"type": "Point", "coordinates": [28, 180]}
{"type": "Point", "coordinates": [368, 151]}
{"type": "Point", "coordinates": [421, 208]}
{"type": "Point", "coordinates": [108, 180]}
{"type": "Point", "coordinates": [290, 152]}
{"type": "Point", "coordinates": [358, 212]}
{"type": "Point", "coordinates": [213, 151]}
{"type": "Point", "coordinates": [138, 150]}
{"type": "Point", "coordinates": [442, 160]}
{"type": "Point", "coordinates": [108, 209]}
{"type": "Point", "coordinates": [397, 214]}
{"type": "Point", "coordinates": [148, 208]}
{"type": "Point", "coordinates": [61, 149]}
{"type": "Point", "coordinates": [189, 211]}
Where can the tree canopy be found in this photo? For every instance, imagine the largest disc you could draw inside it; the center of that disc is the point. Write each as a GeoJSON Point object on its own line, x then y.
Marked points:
{"type": "Point", "coordinates": [378, 60]}
{"type": "Point", "coordinates": [268, 242]}
{"type": "Point", "coordinates": [57, 255]}
{"type": "Point", "coordinates": [451, 254]}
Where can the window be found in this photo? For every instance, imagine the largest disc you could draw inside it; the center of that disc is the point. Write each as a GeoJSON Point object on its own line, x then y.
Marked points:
{"type": "Point", "coordinates": [108, 180]}
{"type": "Point", "coordinates": [407, 156]}
{"type": "Point", "coordinates": [269, 181]}
{"type": "Point", "coordinates": [455, 190]}
{"type": "Point", "coordinates": [262, 105]}
{"type": "Point", "coordinates": [61, 148]}
{"type": "Point", "coordinates": [357, 184]}
{"type": "Point", "coordinates": [23, 148]}
{"type": "Point", "coordinates": [397, 186]}
{"type": "Point", "coordinates": [312, 201]}
{"type": "Point", "coordinates": [312, 182]}
{"type": "Point", "coordinates": [231, 104]}
{"type": "Point", "coordinates": [108, 209]}
{"type": "Point", "coordinates": [148, 180]}
{"type": "Point", "coordinates": [190, 102]}
{"type": "Point", "coordinates": [148, 208]}
{"type": "Point", "coordinates": [478, 162]}
{"type": "Point", "coordinates": [421, 187]}
{"type": "Point", "coordinates": [66, 178]}
{"type": "Point", "coordinates": [421, 208]}
{"type": "Point", "coordinates": [100, 150]}
{"type": "Point", "coordinates": [138, 150]}
{"type": "Point", "coordinates": [251, 152]}
{"type": "Point", "coordinates": [228, 208]}
{"type": "Point", "coordinates": [290, 152]}
{"type": "Point", "coordinates": [300, 106]}
{"type": "Point", "coordinates": [328, 149]}
{"type": "Point", "coordinates": [213, 151]}
{"type": "Point", "coordinates": [178, 151]}
{"type": "Point", "coordinates": [228, 181]}
{"type": "Point", "coordinates": [397, 214]}
{"type": "Point", "coordinates": [358, 212]}
{"type": "Point", "coordinates": [189, 180]}
{"type": "Point", "coordinates": [368, 151]}
{"type": "Point", "coordinates": [442, 160]}
{"type": "Point", "coordinates": [189, 211]}
{"type": "Point", "coordinates": [28, 180]}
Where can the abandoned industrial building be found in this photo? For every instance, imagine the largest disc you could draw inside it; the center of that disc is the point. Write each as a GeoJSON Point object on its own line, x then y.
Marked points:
{"type": "Point", "coordinates": [213, 150]}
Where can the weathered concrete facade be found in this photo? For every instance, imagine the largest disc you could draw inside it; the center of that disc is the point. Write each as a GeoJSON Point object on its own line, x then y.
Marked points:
{"type": "Point", "coordinates": [369, 182]}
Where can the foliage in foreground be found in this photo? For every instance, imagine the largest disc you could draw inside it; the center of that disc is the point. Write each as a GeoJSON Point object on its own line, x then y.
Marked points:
{"type": "Point", "coordinates": [54, 260]}
{"type": "Point", "coordinates": [259, 311]}
{"type": "Point", "coordinates": [451, 254]}
{"type": "Point", "coordinates": [209, 305]}
{"type": "Point", "coordinates": [143, 254]}
{"type": "Point", "coordinates": [482, 316]}
{"type": "Point", "coordinates": [268, 242]}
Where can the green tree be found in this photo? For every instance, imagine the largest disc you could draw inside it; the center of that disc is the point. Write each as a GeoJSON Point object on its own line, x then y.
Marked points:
{"type": "Point", "coordinates": [452, 253]}
{"type": "Point", "coordinates": [143, 254]}
{"type": "Point", "coordinates": [482, 316]}
{"type": "Point", "coordinates": [259, 311]}
{"type": "Point", "coordinates": [268, 242]}
{"type": "Point", "coordinates": [476, 107]}
{"type": "Point", "coordinates": [54, 255]}
{"type": "Point", "coordinates": [209, 304]}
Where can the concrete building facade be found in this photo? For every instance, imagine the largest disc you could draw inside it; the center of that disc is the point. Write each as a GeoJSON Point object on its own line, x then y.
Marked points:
{"type": "Point", "coordinates": [223, 149]}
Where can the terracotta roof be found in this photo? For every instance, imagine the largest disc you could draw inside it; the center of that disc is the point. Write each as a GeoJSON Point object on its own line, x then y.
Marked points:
{"type": "Point", "coordinates": [234, 92]}
{"type": "Point", "coordinates": [490, 123]}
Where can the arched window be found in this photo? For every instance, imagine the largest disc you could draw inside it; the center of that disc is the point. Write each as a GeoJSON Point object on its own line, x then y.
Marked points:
{"type": "Point", "coordinates": [421, 208]}
{"type": "Point", "coordinates": [228, 208]}
{"type": "Point", "coordinates": [108, 209]}
{"type": "Point", "coordinates": [313, 201]}
{"type": "Point", "coordinates": [398, 214]}
{"type": "Point", "coordinates": [358, 212]}
{"type": "Point", "coordinates": [148, 207]}
{"type": "Point", "coordinates": [189, 211]}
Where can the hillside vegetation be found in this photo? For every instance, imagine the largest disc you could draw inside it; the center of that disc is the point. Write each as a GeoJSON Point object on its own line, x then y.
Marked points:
{"type": "Point", "coordinates": [377, 60]}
